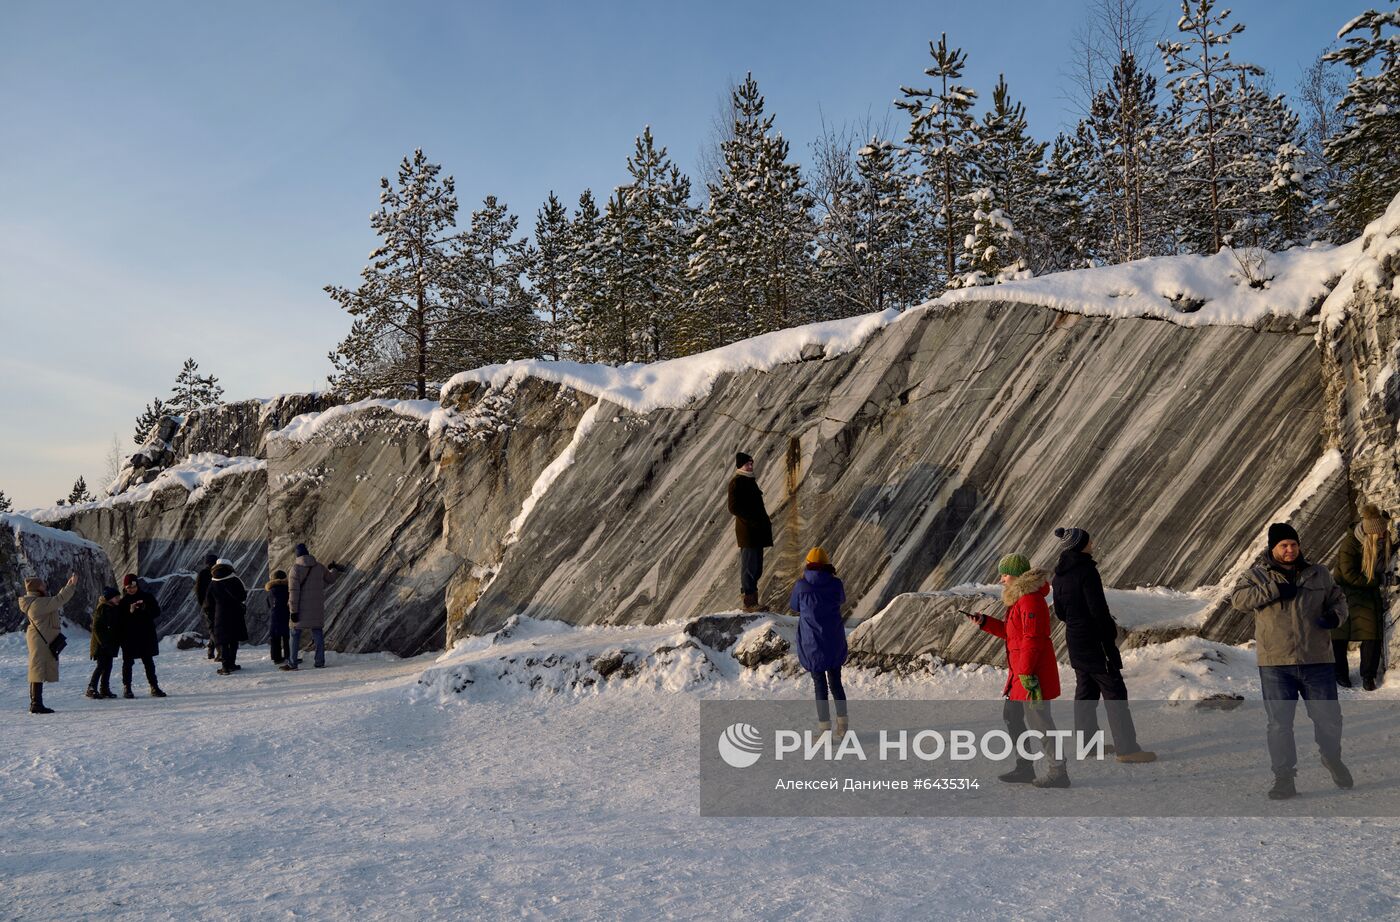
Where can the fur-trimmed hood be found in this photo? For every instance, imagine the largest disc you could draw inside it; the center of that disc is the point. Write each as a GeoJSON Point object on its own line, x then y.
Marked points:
{"type": "Point", "coordinates": [1032, 580]}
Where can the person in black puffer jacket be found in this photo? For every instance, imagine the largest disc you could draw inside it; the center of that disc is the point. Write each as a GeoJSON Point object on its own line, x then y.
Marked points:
{"type": "Point", "coordinates": [227, 599]}
{"type": "Point", "coordinates": [139, 612]}
{"type": "Point", "coordinates": [1092, 637]}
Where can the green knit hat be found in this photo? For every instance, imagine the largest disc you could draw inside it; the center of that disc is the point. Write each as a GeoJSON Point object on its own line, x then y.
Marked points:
{"type": "Point", "coordinates": [1013, 565]}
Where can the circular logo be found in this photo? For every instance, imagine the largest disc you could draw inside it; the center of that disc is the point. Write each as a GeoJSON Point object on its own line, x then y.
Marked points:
{"type": "Point", "coordinates": [740, 746]}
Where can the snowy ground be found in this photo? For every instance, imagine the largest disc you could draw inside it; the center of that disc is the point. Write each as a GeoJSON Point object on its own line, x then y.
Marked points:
{"type": "Point", "coordinates": [359, 791]}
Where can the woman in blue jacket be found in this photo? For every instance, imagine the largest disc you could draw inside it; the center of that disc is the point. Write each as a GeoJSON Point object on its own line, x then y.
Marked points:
{"type": "Point", "coordinates": [821, 636]}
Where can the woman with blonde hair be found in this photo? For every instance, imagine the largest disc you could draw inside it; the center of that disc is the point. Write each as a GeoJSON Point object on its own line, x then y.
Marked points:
{"type": "Point", "coordinates": [1360, 571]}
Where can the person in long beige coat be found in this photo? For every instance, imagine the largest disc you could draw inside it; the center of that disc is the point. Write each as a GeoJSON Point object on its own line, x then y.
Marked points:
{"type": "Point", "coordinates": [41, 611]}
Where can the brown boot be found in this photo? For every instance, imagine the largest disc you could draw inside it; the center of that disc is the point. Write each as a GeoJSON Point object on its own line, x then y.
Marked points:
{"type": "Point", "coordinates": [750, 602]}
{"type": "Point", "coordinates": [1139, 757]}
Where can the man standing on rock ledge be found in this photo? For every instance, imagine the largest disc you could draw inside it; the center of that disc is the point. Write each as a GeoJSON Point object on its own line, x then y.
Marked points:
{"type": "Point", "coordinates": [1295, 606]}
{"type": "Point", "coordinates": [752, 528]}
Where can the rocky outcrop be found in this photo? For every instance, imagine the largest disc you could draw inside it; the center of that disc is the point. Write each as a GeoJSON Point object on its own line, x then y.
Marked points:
{"type": "Point", "coordinates": [916, 461]}
{"type": "Point", "coordinates": [242, 428]}
{"type": "Point", "coordinates": [28, 549]}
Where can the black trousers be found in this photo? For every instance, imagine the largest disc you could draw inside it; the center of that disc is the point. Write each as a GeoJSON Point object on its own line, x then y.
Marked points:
{"type": "Point", "coordinates": [750, 569]}
{"type": "Point", "coordinates": [1370, 658]}
{"type": "Point", "coordinates": [228, 654]}
{"type": "Point", "coordinates": [281, 646]}
{"type": "Point", "coordinates": [148, 661]}
{"type": "Point", "coordinates": [102, 674]}
{"type": "Point", "coordinates": [1089, 687]}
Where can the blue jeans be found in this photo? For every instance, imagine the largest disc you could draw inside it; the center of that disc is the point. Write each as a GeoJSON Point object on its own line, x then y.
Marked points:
{"type": "Point", "coordinates": [1316, 684]}
{"type": "Point", "coordinates": [318, 636]}
{"type": "Point", "coordinates": [750, 569]}
{"type": "Point", "coordinates": [820, 681]}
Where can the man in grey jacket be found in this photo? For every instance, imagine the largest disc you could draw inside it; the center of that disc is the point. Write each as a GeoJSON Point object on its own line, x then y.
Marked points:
{"type": "Point", "coordinates": [1295, 606]}
{"type": "Point", "coordinates": [306, 597]}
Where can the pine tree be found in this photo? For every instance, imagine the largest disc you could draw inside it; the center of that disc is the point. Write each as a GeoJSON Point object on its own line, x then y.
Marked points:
{"type": "Point", "coordinates": [495, 319]}
{"type": "Point", "coordinates": [1005, 158]}
{"type": "Point", "coordinates": [1291, 196]}
{"type": "Point", "coordinates": [658, 201]}
{"type": "Point", "coordinates": [406, 296]}
{"type": "Point", "coordinates": [1065, 236]}
{"type": "Point", "coordinates": [1200, 75]}
{"type": "Point", "coordinates": [1265, 126]}
{"type": "Point", "coordinates": [617, 326]}
{"type": "Point", "coordinates": [750, 268]}
{"type": "Point", "coordinates": [585, 290]}
{"type": "Point", "coordinates": [1364, 152]}
{"type": "Point", "coordinates": [941, 130]}
{"type": "Point", "coordinates": [192, 391]}
{"type": "Point", "coordinates": [79, 493]}
{"type": "Point", "coordinates": [992, 250]}
{"type": "Point", "coordinates": [872, 246]}
{"type": "Point", "coordinates": [148, 419]}
{"type": "Point", "coordinates": [549, 278]}
{"type": "Point", "coordinates": [5, 504]}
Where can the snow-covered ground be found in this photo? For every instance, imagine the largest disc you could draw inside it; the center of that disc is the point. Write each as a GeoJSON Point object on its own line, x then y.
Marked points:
{"type": "Point", "coordinates": [372, 789]}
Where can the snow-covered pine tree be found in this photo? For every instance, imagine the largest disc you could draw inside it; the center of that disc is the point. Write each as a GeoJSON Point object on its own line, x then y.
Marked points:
{"type": "Point", "coordinates": [618, 326]}
{"type": "Point", "coordinates": [940, 129]}
{"type": "Point", "coordinates": [658, 202]}
{"type": "Point", "coordinates": [586, 279]}
{"type": "Point", "coordinates": [1291, 194]}
{"type": "Point", "coordinates": [193, 391]}
{"type": "Point", "coordinates": [549, 278]}
{"type": "Point", "coordinates": [750, 268]}
{"type": "Point", "coordinates": [992, 251]}
{"type": "Point", "coordinates": [79, 493]}
{"type": "Point", "coordinates": [1007, 161]}
{"type": "Point", "coordinates": [5, 504]}
{"type": "Point", "coordinates": [401, 304]}
{"type": "Point", "coordinates": [493, 317]}
{"type": "Point", "coordinates": [1319, 95]}
{"type": "Point", "coordinates": [1265, 125]}
{"type": "Point", "coordinates": [872, 243]}
{"type": "Point", "coordinates": [1063, 240]}
{"type": "Point", "coordinates": [1201, 76]}
{"type": "Point", "coordinates": [1364, 152]}
{"type": "Point", "coordinates": [148, 419]}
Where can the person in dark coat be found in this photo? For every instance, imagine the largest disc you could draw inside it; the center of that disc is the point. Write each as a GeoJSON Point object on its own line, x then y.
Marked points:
{"type": "Point", "coordinates": [821, 635]}
{"type": "Point", "coordinates": [139, 611]}
{"type": "Point", "coordinates": [279, 616]}
{"type": "Point", "coordinates": [306, 597]}
{"type": "Point", "coordinates": [201, 590]}
{"type": "Point", "coordinates": [228, 600]}
{"type": "Point", "coordinates": [1360, 571]}
{"type": "Point", "coordinates": [1092, 637]}
{"type": "Point", "coordinates": [752, 528]}
{"type": "Point", "coordinates": [106, 643]}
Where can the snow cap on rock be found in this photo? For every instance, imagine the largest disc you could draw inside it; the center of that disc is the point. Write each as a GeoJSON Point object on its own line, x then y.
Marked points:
{"type": "Point", "coordinates": [1072, 539]}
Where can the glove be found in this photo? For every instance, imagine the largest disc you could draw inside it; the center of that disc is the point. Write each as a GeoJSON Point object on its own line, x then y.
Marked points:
{"type": "Point", "coordinates": [1115, 658]}
{"type": "Point", "coordinates": [1328, 621]}
{"type": "Point", "coordinates": [1286, 591]}
{"type": "Point", "coordinates": [1032, 686]}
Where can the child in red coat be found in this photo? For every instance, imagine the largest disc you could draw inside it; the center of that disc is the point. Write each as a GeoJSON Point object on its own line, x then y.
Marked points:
{"type": "Point", "coordinates": [1034, 680]}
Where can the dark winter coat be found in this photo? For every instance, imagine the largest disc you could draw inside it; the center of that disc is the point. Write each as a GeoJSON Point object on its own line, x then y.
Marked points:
{"type": "Point", "coordinates": [279, 614]}
{"type": "Point", "coordinates": [227, 599]}
{"type": "Point", "coordinates": [106, 630]}
{"type": "Point", "coordinates": [139, 612]}
{"type": "Point", "coordinates": [1090, 631]}
{"type": "Point", "coordinates": [821, 635]}
{"type": "Point", "coordinates": [1364, 599]}
{"type": "Point", "coordinates": [752, 526]}
{"type": "Point", "coordinates": [1286, 632]}
{"type": "Point", "coordinates": [1026, 631]}
{"type": "Point", "coordinates": [306, 587]}
{"type": "Point", "coordinates": [201, 595]}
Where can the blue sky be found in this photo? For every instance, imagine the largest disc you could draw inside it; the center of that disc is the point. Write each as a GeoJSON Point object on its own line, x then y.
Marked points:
{"type": "Point", "coordinates": [181, 179]}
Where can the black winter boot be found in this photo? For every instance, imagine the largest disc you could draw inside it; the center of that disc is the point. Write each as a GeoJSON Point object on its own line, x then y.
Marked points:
{"type": "Point", "coordinates": [91, 692]}
{"type": "Point", "coordinates": [1058, 777]}
{"type": "Point", "coordinates": [1023, 773]}
{"type": "Point", "coordinates": [126, 692]}
{"type": "Point", "coordinates": [156, 692]}
{"type": "Point", "coordinates": [36, 699]}
{"type": "Point", "coordinates": [1341, 777]}
{"type": "Point", "coordinates": [1283, 788]}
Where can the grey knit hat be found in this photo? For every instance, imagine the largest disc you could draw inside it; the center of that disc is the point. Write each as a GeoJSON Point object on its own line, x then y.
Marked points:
{"type": "Point", "coordinates": [1072, 539]}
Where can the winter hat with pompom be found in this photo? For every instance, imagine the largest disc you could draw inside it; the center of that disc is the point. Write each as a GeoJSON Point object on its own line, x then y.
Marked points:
{"type": "Point", "coordinates": [1072, 539]}
{"type": "Point", "coordinates": [110, 592]}
{"type": "Point", "coordinates": [1013, 565]}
